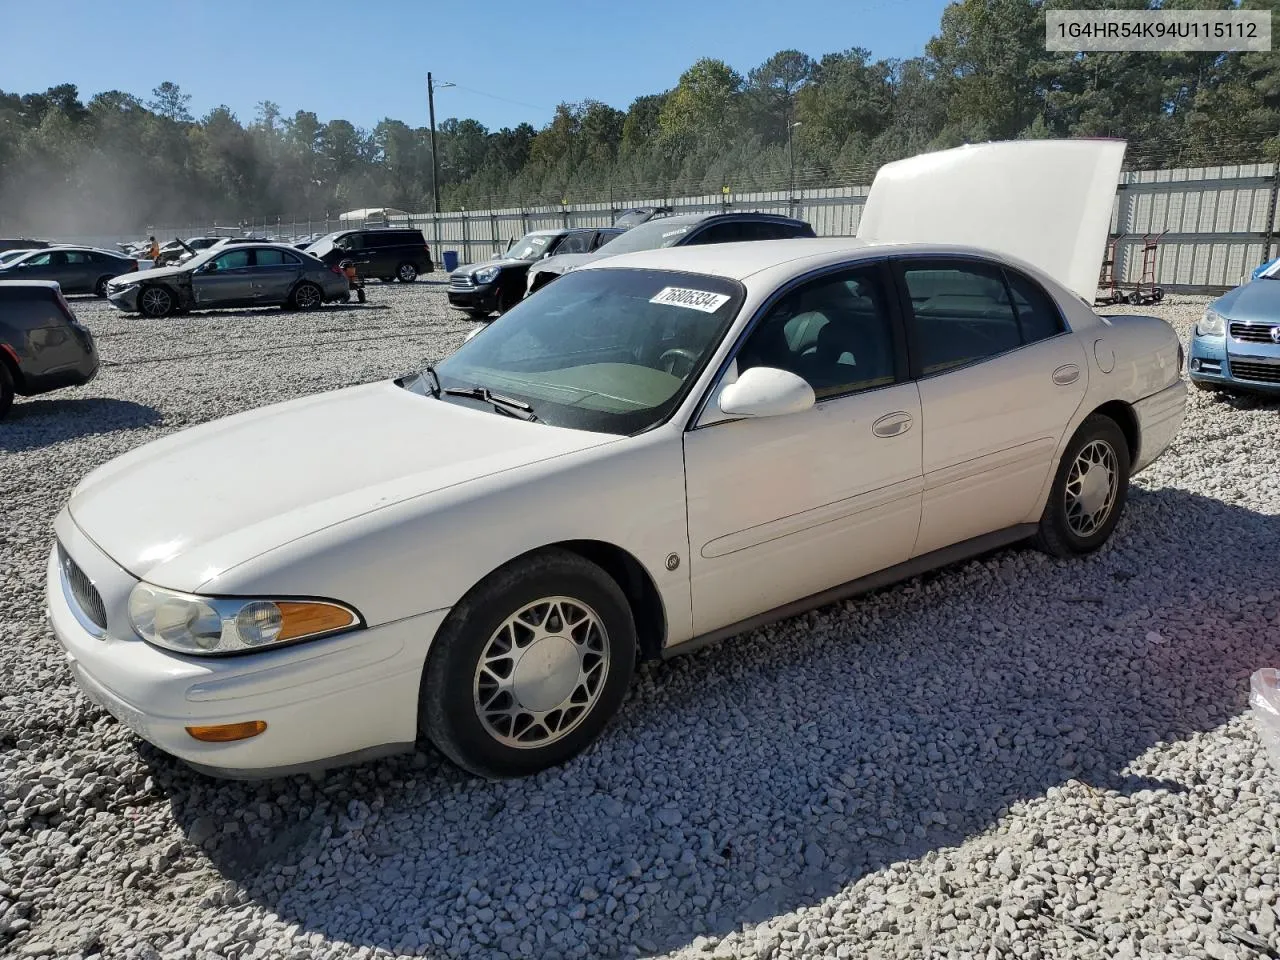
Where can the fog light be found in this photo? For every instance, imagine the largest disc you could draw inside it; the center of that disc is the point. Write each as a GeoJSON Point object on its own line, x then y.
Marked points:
{"type": "Point", "coordinates": [228, 732]}
{"type": "Point", "coordinates": [1195, 364]}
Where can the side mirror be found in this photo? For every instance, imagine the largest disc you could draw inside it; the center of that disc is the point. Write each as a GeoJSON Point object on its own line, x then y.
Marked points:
{"type": "Point", "coordinates": [766, 392]}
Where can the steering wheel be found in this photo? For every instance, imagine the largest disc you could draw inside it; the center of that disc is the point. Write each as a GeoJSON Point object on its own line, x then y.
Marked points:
{"type": "Point", "coordinates": [677, 357]}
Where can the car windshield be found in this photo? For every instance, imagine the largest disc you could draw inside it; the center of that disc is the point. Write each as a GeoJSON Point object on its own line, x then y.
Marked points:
{"type": "Point", "coordinates": [650, 236]}
{"type": "Point", "coordinates": [612, 351]}
{"type": "Point", "coordinates": [9, 256]}
{"type": "Point", "coordinates": [530, 247]}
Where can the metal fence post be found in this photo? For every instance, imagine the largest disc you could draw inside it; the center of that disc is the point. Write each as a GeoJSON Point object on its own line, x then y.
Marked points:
{"type": "Point", "coordinates": [466, 238]}
{"type": "Point", "coordinates": [1271, 217]}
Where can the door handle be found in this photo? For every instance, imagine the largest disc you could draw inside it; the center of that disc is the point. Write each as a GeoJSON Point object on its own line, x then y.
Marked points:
{"type": "Point", "coordinates": [892, 424]}
{"type": "Point", "coordinates": [1066, 374]}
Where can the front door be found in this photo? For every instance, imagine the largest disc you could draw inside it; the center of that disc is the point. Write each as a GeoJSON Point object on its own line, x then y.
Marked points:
{"type": "Point", "coordinates": [1000, 378]}
{"type": "Point", "coordinates": [225, 281]}
{"type": "Point", "coordinates": [784, 507]}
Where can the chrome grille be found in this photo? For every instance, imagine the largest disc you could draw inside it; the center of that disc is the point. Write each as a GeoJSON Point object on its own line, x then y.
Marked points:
{"type": "Point", "coordinates": [460, 282]}
{"type": "Point", "coordinates": [1257, 372]}
{"type": "Point", "coordinates": [1255, 332]}
{"type": "Point", "coordinates": [83, 593]}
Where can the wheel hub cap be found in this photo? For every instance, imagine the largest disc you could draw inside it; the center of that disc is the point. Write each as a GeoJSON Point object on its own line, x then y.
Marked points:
{"type": "Point", "coordinates": [546, 674]}
{"type": "Point", "coordinates": [1091, 488]}
{"type": "Point", "coordinates": [541, 672]}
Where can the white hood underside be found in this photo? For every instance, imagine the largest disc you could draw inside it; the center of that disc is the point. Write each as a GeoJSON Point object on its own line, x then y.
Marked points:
{"type": "Point", "coordinates": [1047, 202]}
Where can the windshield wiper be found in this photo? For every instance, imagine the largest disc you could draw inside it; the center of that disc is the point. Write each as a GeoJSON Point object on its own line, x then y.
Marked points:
{"type": "Point", "coordinates": [507, 405]}
{"type": "Point", "coordinates": [434, 381]}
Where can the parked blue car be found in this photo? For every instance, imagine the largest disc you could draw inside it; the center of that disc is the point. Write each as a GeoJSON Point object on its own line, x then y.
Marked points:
{"type": "Point", "coordinates": [1236, 344]}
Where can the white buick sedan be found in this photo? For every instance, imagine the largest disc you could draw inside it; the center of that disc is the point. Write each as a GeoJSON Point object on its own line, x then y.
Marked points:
{"type": "Point", "coordinates": [657, 450]}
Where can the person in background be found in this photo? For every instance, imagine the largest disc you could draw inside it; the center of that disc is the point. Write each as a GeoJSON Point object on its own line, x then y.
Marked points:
{"type": "Point", "coordinates": [153, 250]}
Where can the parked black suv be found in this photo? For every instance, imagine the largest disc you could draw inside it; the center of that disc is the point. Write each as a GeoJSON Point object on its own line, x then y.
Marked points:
{"type": "Point", "coordinates": [681, 230]}
{"type": "Point", "coordinates": [42, 344]}
{"type": "Point", "coordinates": [496, 285]}
{"type": "Point", "coordinates": [388, 253]}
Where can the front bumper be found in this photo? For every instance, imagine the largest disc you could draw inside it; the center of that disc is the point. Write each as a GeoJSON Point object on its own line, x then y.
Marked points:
{"type": "Point", "coordinates": [483, 297]}
{"type": "Point", "coordinates": [325, 703]}
{"type": "Point", "coordinates": [126, 299]}
{"type": "Point", "coordinates": [1243, 366]}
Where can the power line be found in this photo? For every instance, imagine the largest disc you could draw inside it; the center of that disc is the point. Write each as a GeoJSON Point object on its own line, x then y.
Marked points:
{"type": "Point", "coordinates": [494, 96]}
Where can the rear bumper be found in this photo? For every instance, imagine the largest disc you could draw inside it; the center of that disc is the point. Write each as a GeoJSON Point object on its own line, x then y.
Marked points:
{"type": "Point", "coordinates": [1160, 417]}
{"type": "Point", "coordinates": [74, 373]}
{"type": "Point", "coordinates": [325, 703]}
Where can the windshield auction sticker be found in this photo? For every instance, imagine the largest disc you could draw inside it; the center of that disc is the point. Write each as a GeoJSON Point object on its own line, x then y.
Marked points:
{"type": "Point", "coordinates": [1157, 31]}
{"type": "Point", "coordinates": [693, 299]}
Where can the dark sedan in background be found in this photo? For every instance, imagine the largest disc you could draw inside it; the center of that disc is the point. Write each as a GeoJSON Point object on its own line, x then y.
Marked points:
{"type": "Point", "coordinates": [243, 275]}
{"type": "Point", "coordinates": [42, 344]}
{"type": "Point", "coordinates": [499, 284]}
{"type": "Point", "coordinates": [75, 269]}
{"type": "Point", "coordinates": [686, 229]}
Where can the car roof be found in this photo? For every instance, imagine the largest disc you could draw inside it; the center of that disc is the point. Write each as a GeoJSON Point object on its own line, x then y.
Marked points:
{"type": "Point", "coordinates": [738, 261]}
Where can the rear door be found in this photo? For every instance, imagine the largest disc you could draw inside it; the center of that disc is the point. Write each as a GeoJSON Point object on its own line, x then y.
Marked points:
{"type": "Point", "coordinates": [1000, 378]}
{"type": "Point", "coordinates": [274, 274]}
{"type": "Point", "coordinates": [226, 280]}
{"type": "Point", "coordinates": [76, 272]}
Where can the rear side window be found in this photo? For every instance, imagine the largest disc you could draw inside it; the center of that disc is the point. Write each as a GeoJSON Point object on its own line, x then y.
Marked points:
{"type": "Point", "coordinates": [274, 258]}
{"type": "Point", "coordinates": [77, 256]}
{"type": "Point", "coordinates": [727, 232]}
{"type": "Point", "coordinates": [604, 236]}
{"type": "Point", "coordinates": [962, 313]}
{"type": "Point", "coordinates": [1038, 314]}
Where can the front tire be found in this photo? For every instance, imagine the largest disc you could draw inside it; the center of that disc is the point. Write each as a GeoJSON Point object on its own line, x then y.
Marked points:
{"type": "Point", "coordinates": [155, 302]}
{"type": "Point", "coordinates": [406, 273]}
{"type": "Point", "coordinates": [1089, 491]}
{"type": "Point", "coordinates": [100, 287]}
{"type": "Point", "coordinates": [529, 667]}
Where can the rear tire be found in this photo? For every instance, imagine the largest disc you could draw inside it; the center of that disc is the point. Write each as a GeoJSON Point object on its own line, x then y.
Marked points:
{"type": "Point", "coordinates": [306, 296]}
{"type": "Point", "coordinates": [406, 272]}
{"type": "Point", "coordinates": [529, 666]}
{"type": "Point", "coordinates": [1089, 491]}
{"type": "Point", "coordinates": [155, 302]}
{"type": "Point", "coordinates": [7, 389]}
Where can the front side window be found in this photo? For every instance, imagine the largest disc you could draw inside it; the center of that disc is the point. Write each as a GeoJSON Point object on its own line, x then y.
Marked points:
{"type": "Point", "coordinates": [574, 243]}
{"type": "Point", "coordinates": [962, 313]}
{"type": "Point", "coordinates": [39, 260]}
{"type": "Point", "coordinates": [235, 260]}
{"type": "Point", "coordinates": [835, 332]}
{"type": "Point", "coordinates": [613, 351]}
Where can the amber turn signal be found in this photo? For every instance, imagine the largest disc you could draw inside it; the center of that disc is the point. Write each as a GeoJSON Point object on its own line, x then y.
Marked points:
{"type": "Point", "coordinates": [308, 618]}
{"type": "Point", "coordinates": [228, 732]}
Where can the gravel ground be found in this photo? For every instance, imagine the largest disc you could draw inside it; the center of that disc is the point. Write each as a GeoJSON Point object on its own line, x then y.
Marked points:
{"type": "Point", "coordinates": [1013, 757]}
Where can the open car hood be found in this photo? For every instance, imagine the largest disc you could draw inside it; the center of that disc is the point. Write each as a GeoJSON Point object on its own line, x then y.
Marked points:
{"type": "Point", "coordinates": [1047, 202]}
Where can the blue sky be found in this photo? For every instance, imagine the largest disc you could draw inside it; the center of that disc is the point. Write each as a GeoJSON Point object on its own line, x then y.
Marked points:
{"type": "Point", "coordinates": [363, 61]}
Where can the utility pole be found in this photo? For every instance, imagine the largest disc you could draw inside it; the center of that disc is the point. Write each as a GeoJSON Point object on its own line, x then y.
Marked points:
{"type": "Point", "coordinates": [435, 168]}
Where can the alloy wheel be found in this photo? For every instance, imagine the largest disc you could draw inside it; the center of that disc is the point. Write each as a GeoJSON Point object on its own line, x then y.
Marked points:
{"type": "Point", "coordinates": [1091, 487]}
{"type": "Point", "coordinates": [541, 672]}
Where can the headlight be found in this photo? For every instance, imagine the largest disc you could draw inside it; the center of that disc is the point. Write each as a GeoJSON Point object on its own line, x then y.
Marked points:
{"type": "Point", "coordinates": [1210, 325]}
{"type": "Point", "coordinates": [115, 287]}
{"type": "Point", "coordinates": [215, 626]}
{"type": "Point", "coordinates": [487, 274]}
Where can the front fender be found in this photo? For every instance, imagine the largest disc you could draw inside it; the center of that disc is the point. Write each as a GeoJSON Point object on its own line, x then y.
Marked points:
{"type": "Point", "coordinates": [423, 554]}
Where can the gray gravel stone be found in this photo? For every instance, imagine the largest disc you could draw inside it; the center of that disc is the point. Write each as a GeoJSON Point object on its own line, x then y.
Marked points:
{"type": "Point", "coordinates": [1000, 759]}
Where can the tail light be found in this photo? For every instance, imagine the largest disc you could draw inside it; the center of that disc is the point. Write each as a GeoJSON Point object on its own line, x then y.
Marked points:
{"type": "Point", "coordinates": [338, 270]}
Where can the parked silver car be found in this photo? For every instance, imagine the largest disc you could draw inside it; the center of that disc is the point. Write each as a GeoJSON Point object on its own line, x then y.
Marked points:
{"type": "Point", "coordinates": [244, 275]}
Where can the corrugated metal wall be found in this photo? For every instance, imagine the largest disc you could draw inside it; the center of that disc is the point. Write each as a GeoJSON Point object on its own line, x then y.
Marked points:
{"type": "Point", "coordinates": [1215, 224]}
